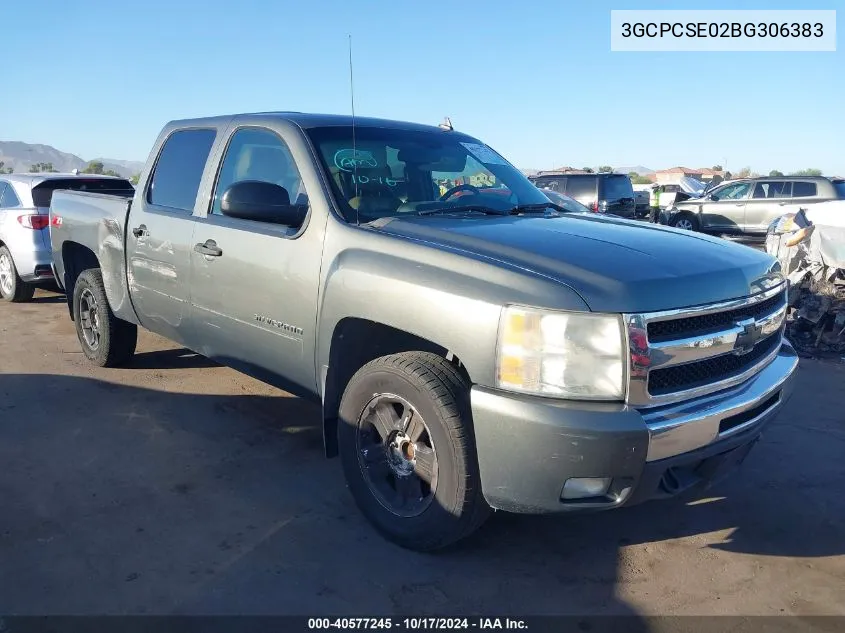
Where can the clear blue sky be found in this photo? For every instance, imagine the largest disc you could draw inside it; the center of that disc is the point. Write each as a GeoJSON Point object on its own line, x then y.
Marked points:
{"type": "Point", "coordinates": [536, 80]}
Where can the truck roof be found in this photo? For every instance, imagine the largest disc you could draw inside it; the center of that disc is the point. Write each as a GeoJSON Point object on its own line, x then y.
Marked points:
{"type": "Point", "coordinates": [311, 120]}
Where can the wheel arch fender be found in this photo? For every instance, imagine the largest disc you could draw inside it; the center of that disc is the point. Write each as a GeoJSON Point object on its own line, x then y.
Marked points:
{"type": "Point", "coordinates": [76, 258]}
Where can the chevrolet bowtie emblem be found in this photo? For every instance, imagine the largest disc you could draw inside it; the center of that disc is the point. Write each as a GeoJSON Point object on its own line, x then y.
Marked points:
{"type": "Point", "coordinates": [748, 337]}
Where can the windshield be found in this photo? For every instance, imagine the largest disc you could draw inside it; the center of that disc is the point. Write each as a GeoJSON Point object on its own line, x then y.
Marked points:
{"type": "Point", "coordinates": [392, 172]}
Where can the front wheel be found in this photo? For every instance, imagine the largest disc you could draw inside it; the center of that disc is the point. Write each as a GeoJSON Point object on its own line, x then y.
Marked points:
{"type": "Point", "coordinates": [106, 340]}
{"type": "Point", "coordinates": [686, 221]}
{"type": "Point", "coordinates": [406, 444]}
{"type": "Point", "coordinates": [12, 288]}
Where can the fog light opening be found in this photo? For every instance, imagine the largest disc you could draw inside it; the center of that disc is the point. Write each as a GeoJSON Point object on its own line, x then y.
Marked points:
{"type": "Point", "coordinates": [585, 487]}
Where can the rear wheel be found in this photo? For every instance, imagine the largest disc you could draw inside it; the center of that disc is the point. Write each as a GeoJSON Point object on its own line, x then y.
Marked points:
{"type": "Point", "coordinates": [106, 340]}
{"type": "Point", "coordinates": [12, 288]}
{"type": "Point", "coordinates": [686, 221]}
{"type": "Point", "coordinates": [408, 453]}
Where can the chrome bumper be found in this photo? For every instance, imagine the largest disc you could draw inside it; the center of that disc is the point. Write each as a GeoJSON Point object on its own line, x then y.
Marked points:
{"type": "Point", "coordinates": [681, 428]}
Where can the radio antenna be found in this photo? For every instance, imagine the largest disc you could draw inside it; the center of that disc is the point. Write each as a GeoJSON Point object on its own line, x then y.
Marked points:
{"type": "Point", "coordinates": [354, 148]}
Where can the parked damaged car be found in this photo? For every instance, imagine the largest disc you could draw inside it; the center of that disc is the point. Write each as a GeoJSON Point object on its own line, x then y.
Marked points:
{"type": "Point", "coordinates": [810, 246]}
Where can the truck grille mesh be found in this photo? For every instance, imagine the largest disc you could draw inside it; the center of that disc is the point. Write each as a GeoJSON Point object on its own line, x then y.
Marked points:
{"type": "Point", "coordinates": [703, 372]}
{"type": "Point", "coordinates": [661, 331]}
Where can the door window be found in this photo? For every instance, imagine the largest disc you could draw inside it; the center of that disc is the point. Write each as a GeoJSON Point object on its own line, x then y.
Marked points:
{"type": "Point", "coordinates": [616, 187]}
{"type": "Point", "coordinates": [258, 154]}
{"type": "Point", "coordinates": [581, 187]}
{"type": "Point", "coordinates": [803, 189]}
{"type": "Point", "coordinates": [769, 190]}
{"type": "Point", "coordinates": [176, 180]}
{"type": "Point", "coordinates": [737, 191]}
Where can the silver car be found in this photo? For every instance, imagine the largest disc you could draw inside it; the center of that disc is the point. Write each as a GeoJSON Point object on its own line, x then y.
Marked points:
{"type": "Point", "coordinates": [748, 206]}
{"type": "Point", "coordinates": [25, 257]}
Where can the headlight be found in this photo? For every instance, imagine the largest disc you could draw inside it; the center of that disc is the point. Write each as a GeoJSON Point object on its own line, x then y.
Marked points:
{"type": "Point", "coordinates": [576, 355]}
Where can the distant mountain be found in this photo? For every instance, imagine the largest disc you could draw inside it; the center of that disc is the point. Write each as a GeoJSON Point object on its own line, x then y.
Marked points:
{"type": "Point", "coordinates": [21, 156]}
{"type": "Point", "coordinates": [642, 171]}
{"type": "Point", "coordinates": [132, 166]}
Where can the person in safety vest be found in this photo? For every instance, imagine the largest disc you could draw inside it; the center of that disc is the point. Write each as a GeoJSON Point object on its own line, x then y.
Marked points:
{"type": "Point", "coordinates": [655, 204]}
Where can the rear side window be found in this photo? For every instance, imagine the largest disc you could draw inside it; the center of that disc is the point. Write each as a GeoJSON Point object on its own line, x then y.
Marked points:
{"type": "Point", "coordinates": [178, 171]}
{"type": "Point", "coordinates": [42, 194]}
{"type": "Point", "coordinates": [775, 189]}
{"type": "Point", "coordinates": [839, 186]}
{"type": "Point", "coordinates": [803, 189]}
{"type": "Point", "coordinates": [581, 187]}
{"type": "Point", "coordinates": [617, 187]}
{"type": "Point", "coordinates": [8, 197]}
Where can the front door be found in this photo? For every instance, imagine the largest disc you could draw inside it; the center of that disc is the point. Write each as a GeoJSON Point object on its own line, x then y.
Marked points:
{"type": "Point", "coordinates": [254, 299]}
{"type": "Point", "coordinates": [769, 200]}
{"type": "Point", "coordinates": [159, 232]}
{"type": "Point", "coordinates": [724, 209]}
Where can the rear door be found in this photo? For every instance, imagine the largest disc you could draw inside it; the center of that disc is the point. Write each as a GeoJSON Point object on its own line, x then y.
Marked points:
{"type": "Point", "coordinates": [254, 302]}
{"type": "Point", "coordinates": [769, 200]}
{"type": "Point", "coordinates": [159, 232]}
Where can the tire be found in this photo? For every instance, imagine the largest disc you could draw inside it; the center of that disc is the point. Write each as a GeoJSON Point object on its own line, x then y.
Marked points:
{"type": "Point", "coordinates": [12, 288]}
{"type": "Point", "coordinates": [438, 396]}
{"type": "Point", "coordinates": [685, 220]}
{"type": "Point", "coordinates": [106, 340]}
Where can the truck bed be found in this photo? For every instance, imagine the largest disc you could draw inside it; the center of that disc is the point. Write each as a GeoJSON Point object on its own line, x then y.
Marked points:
{"type": "Point", "coordinates": [95, 222]}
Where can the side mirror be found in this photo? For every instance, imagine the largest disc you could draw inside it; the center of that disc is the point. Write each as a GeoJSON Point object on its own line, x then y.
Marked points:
{"type": "Point", "coordinates": [262, 202]}
{"type": "Point", "coordinates": [712, 197]}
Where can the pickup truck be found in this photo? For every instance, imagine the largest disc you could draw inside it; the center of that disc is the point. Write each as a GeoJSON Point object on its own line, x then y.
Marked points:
{"type": "Point", "coordinates": [471, 352]}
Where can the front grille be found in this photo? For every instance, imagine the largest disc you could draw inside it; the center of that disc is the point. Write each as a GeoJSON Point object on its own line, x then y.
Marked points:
{"type": "Point", "coordinates": [711, 370]}
{"type": "Point", "coordinates": [661, 331]}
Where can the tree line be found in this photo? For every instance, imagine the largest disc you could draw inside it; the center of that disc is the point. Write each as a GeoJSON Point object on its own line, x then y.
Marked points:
{"type": "Point", "coordinates": [745, 172]}
{"type": "Point", "coordinates": [93, 167]}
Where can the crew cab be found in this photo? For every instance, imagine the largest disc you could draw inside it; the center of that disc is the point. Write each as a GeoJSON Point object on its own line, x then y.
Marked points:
{"type": "Point", "coordinates": [488, 350]}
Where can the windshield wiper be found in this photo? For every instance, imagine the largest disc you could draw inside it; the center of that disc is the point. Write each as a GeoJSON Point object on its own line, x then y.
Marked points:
{"type": "Point", "coordinates": [464, 209]}
{"type": "Point", "coordinates": [535, 208]}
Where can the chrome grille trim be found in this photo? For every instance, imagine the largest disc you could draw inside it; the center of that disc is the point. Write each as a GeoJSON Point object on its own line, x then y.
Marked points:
{"type": "Point", "coordinates": [645, 356]}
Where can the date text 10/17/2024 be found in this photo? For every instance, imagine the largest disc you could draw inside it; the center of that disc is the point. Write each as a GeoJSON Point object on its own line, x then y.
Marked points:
{"type": "Point", "coordinates": [413, 624]}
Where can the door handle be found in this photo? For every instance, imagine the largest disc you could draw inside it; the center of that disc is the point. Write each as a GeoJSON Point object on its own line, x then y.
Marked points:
{"type": "Point", "coordinates": [138, 231]}
{"type": "Point", "coordinates": [781, 204]}
{"type": "Point", "coordinates": [209, 247]}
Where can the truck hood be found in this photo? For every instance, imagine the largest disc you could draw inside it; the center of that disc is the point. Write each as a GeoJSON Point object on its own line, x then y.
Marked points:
{"type": "Point", "coordinates": [615, 265]}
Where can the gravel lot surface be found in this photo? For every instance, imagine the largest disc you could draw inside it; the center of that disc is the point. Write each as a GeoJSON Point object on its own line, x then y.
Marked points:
{"type": "Point", "coordinates": [178, 486]}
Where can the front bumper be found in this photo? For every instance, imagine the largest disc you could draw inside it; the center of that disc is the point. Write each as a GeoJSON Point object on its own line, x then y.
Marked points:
{"type": "Point", "coordinates": [528, 447]}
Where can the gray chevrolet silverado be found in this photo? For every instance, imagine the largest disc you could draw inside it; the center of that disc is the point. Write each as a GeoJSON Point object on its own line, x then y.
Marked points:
{"type": "Point", "coordinates": [472, 345]}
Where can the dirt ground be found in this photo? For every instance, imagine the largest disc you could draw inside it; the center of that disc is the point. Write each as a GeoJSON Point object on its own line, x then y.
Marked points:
{"type": "Point", "coordinates": [178, 486]}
